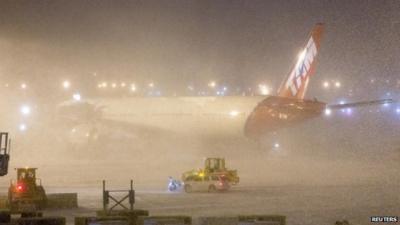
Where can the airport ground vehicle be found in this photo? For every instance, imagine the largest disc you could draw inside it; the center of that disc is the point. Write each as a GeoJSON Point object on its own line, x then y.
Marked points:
{"type": "Point", "coordinates": [210, 183]}
{"type": "Point", "coordinates": [213, 167]}
{"type": "Point", "coordinates": [26, 193]}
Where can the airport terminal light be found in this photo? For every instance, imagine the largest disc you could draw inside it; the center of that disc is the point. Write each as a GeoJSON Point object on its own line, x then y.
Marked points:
{"type": "Point", "coordinates": [25, 110]}
{"type": "Point", "coordinates": [325, 84]}
{"type": "Point", "coordinates": [212, 84]}
{"type": "Point", "coordinates": [66, 84]}
{"type": "Point", "coordinates": [22, 127]}
{"type": "Point", "coordinates": [133, 88]}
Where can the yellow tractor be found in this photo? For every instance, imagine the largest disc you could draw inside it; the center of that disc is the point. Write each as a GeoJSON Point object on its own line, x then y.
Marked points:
{"type": "Point", "coordinates": [26, 193]}
{"type": "Point", "coordinates": [213, 167]}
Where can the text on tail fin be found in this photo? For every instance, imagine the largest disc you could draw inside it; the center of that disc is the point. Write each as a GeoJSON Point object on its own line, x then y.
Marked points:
{"type": "Point", "coordinates": [295, 86]}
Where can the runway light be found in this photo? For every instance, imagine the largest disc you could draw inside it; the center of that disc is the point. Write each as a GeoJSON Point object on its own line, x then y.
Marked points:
{"type": "Point", "coordinates": [66, 84]}
{"type": "Point", "coordinates": [22, 127]}
{"type": "Point", "coordinates": [328, 111]}
{"type": "Point", "coordinates": [25, 110]}
{"type": "Point", "coordinates": [76, 97]}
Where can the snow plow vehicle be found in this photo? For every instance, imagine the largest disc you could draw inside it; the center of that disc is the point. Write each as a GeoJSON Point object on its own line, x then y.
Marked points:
{"type": "Point", "coordinates": [26, 193]}
{"type": "Point", "coordinates": [212, 167]}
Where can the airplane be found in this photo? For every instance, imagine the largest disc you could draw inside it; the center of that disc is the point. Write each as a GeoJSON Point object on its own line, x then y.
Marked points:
{"type": "Point", "coordinates": [249, 116]}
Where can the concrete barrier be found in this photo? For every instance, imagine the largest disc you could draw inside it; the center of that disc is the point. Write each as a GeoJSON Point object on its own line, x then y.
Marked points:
{"type": "Point", "coordinates": [164, 220]}
{"type": "Point", "coordinates": [125, 213]}
{"type": "Point", "coordinates": [243, 220]}
{"type": "Point", "coordinates": [62, 200]}
{"type": "Point", "coordinates": [114, 220]}
{"type": "Point", "coordinates": [262, 220]}
{"type": "Point", "coordinates": [41, 221]}
{"type": "Point", "coordinates": [234, 220]}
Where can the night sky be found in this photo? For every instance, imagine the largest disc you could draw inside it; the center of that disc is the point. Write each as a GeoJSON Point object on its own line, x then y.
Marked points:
{"type": "Point", "coordinates": [180, 43]}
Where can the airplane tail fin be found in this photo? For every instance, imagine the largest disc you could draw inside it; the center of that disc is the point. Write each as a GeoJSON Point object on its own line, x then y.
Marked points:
{"type": "Point", "coordinates": [295, 86]}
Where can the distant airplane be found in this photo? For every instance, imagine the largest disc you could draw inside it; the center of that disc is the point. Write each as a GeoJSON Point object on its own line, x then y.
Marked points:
{"type": "Point", "coordinates": [252, 116]}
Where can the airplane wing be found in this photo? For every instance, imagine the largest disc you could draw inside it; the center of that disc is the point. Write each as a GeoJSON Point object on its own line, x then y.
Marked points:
{"type": "Point", "coordinates": [360, 104]}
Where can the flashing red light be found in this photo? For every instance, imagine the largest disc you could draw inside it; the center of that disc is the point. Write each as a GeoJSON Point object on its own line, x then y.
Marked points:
{"type": "Point", "coordinates": [20, 187]}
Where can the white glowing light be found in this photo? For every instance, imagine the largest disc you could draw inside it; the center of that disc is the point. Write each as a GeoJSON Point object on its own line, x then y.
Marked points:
{"type": "Point", "coordinates": [66, 84]}
{"type": "Point", "coordinates": [338, 84]}
{"type": "Point", "coordinates": [113, 85]}
{"type": "Point", "coordinates": [24, 86]}
{"type": "Point", "coordinates": [325, 84]}
{"type": "Point", "coordinates": [22, 127]}
{"type": "Point", "coordinates": [212, 84]}
{"type": "Point", "coordinates": [76, 97]}
{"type": "Point", "coordinates": [234, 113]}
{"type": "Point", "coordinates": [277, 145]}
{"type": "Point", "coordinates": [398, 110]}
{"type": "Point", "coordinates": [123, 84]}
{"type": "Point", "coordinates": [151, 85]}
{"type": "Point", "coordinates": [328, 111]}
{"type": "Point", "coordinates": [104, 84]}
{"type": "Point", "coordinates": [25, 110]}
{"type": "Point", "coordinates": [263, 89]}
{"type": "Point", "coordinates": [349, 111]}
{"type": "Point", "coordinates": [133, 87]}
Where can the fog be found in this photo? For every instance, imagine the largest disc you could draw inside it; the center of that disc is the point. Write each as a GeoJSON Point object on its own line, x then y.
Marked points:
{"type": "Point", "coordinates": [343, 166]}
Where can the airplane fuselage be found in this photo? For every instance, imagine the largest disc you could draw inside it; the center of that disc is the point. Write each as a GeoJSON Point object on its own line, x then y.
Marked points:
{"type": "Point", "coordinates": [252, 116]}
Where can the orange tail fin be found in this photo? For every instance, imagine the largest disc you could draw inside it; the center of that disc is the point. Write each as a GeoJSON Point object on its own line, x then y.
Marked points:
{"type": "Point", "coordinates": [295, 86]}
